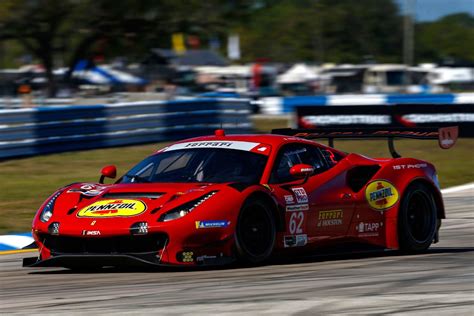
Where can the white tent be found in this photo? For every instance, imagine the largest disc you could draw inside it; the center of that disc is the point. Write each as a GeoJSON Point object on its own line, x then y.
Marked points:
{"type": "Point", "coordinates": [104, 75]}
{"type": "Point", "coordinates": [297, 74]}
{"type": "Point", "coordinates": [107, 75]}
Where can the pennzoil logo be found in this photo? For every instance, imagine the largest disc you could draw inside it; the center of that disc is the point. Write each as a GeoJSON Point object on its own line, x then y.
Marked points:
{"type": "Point", "coordinates": [113, 208]}
{"type": "Point", "coordinates": [381, 195]}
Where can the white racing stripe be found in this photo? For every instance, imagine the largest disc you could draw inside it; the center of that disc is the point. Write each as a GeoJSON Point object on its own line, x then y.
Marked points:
{"type": "Point", "coordinates": [238, 145]}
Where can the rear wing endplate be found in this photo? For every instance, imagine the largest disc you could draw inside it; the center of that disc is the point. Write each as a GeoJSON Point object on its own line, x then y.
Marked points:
{"type": "Point", "coordinates": [446, 136]}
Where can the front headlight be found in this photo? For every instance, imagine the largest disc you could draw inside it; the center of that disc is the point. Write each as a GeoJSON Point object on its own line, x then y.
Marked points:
{"type": "Point", "coordinates": [184, 209]}
{"type": "Point", "coordinates": [47, 211]}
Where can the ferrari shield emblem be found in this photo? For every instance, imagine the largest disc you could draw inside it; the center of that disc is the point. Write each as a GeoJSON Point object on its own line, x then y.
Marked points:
{"type": "Point", "coordinates": [448, 136]}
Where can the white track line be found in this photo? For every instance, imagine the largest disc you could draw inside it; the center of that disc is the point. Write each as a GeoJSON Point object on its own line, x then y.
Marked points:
{"type": "Point", "coordinates": [16, 241]}
{"type": "Point", "coordinates": [467, 186]}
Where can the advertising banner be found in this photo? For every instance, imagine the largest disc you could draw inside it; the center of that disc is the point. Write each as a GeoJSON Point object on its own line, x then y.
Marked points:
{"type": "Point", "coordinates": [399, 115]}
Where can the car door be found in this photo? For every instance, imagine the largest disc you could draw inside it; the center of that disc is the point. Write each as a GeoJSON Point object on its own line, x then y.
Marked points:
{"type": "Point", "coordinates": [319, 208]}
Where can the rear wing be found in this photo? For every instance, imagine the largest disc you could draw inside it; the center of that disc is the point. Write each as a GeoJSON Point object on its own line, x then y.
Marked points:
{"type": "Point", "coordinates": [446, 136]}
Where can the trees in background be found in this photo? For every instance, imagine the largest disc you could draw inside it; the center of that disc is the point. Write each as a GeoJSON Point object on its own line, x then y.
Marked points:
{"type": "Point", "coordinates": [61, 32]}
{"type": "Point", "coordinates": [343, 31]}
{"type": "Point", "coordinates": [70, 30]}
{"type": "Point", "coordinates": [451, 38]}
{"type": "Point", "coordinates": [64, 31]}
{"type": "Point", "coordinates": [35, 28]}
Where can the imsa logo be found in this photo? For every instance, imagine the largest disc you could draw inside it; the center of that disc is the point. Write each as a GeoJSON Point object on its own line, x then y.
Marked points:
{"type": "Point", "coordinates": [381, 195]}
{"type": "Point", "coordinates": [113, 208]}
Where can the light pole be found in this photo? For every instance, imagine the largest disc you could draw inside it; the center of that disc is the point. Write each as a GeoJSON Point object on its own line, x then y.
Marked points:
{"type": "Point", "coordinates": [409, 32]}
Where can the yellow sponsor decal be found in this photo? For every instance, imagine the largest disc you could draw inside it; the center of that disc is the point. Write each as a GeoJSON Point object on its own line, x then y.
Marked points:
{"type": "Point", "coordinates": [113, 208]}
{"type": "Point", "coordinates": [333, 214]}
{"type": "Point", "coordinates": [330, 218]}
{"type": "Point", "coordinates": [381, 195]}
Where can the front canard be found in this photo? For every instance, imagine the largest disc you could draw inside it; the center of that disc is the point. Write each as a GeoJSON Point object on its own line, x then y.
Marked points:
{"type": "Point", "coordinates": [113, 208]}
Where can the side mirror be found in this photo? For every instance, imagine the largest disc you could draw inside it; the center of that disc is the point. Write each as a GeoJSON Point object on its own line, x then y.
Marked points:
{"type": "Point", "coordinates": [108, 172]}
{"type": "Point", "coordinates": [301, 171]}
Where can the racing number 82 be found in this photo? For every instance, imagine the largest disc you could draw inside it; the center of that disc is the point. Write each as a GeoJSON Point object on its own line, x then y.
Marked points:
{"type": "Point", "coordinates": [296, 221]}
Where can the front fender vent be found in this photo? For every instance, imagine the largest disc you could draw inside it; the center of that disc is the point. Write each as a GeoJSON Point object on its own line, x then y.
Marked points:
{"type": "Point", "coordinates": [359, 176]}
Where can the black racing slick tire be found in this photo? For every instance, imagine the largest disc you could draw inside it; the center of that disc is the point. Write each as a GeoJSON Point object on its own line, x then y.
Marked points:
{"type": "Point", "coordinates": [255, 232]}
{"type": "Point", "coordinates": [417, 219]}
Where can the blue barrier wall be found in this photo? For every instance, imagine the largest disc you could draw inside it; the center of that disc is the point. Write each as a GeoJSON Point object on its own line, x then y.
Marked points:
{"type": "Point", "coordinates": [26, 132]}
{"type": "Point", "coordinates": [286, 105]}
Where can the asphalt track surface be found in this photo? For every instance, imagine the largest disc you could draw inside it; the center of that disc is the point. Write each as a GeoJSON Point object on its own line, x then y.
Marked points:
{"type": "Point", "coordinates": [440, 281]}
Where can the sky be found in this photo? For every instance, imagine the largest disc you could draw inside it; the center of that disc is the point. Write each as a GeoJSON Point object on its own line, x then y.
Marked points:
{"type": "Point", "coordinates": [429, 10]}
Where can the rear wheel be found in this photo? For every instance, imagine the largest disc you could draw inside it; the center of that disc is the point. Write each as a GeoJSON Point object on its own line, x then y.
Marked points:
{"type": "Point", "coordinates": [255, 232]}
{"type": "Point", "coordinates": [417, 219]}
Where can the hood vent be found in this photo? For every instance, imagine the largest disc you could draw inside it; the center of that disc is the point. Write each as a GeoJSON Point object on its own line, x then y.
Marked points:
{"type": "Point", "coordinates": [132, 195]}
{"type": "Point", "coordinates": [71, 210]}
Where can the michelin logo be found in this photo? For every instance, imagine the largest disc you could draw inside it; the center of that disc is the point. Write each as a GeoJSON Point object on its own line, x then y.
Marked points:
{"type": "Point", "coordinates": [212, 224]}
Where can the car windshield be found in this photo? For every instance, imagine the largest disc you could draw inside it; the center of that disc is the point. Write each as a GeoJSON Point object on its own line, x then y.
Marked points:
{"type": "Point", "coordinates": [206, 165]}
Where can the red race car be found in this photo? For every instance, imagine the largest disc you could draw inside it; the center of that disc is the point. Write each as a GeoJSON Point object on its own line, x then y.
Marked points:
{"type": "Point", "coordinates": [212, 200]}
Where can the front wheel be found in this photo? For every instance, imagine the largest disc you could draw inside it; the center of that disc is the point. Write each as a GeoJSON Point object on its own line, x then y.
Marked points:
{"type": "Point", "coordinates": [256, 232]}
{"type": "Point", "coordinates": [417, 219]}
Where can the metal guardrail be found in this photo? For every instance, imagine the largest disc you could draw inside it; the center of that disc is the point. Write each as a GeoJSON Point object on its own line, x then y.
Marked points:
{"type": "Point", "coordinates": [26, 132]}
